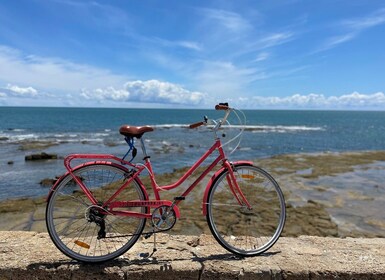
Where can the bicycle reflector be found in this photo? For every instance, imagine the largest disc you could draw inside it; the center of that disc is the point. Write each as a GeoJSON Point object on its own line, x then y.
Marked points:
{"type": "Point", "coordinates": [247, 176]}
{"type": "Point", "coordinates": [82, 244]}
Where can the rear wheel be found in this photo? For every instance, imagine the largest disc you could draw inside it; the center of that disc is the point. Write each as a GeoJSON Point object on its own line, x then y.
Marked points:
{"type": "Point", "coordinates": [243, 231]}
{"type": "Point", "coordinates": [87, 232]}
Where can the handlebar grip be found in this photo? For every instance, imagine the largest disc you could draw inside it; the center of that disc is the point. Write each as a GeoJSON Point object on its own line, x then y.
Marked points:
{"type": "Point", "coordinates": [222, 106]}
{"type": "Point", "coordinates": [195, 125]}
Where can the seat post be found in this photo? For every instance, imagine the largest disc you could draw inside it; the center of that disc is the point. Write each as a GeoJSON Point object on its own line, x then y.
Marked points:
{"type": "Point", "coordinates": [143, 148]}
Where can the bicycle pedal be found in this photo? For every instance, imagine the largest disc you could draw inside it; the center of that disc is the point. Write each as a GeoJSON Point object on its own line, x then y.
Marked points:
{"type": "Point", "coordinates": [179, 198]}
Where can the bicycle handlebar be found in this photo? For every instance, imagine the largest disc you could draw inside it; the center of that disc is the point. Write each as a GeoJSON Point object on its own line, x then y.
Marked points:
{"type": "Point", "coordinates": [195, 125]}
{"type": "Point", "coordinates": [222, 106]}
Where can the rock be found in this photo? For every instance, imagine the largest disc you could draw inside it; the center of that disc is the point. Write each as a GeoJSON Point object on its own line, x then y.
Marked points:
{"type": "Point", "coordinates": [41, 156]}
{"type": "Point", "coordinates": [36, 145]}
{"type": "Point", "coordinates": [47, 182]}
{"type": "Point", "coordinates": [10, 162]}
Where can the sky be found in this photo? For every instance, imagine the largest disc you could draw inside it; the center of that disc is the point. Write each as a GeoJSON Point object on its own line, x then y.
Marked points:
{"type": "Point", "coordinates": [253, 54]}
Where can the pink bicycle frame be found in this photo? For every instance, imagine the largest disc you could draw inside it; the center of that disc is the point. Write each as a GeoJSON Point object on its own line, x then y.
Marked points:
{"type": "Point", "coordinates": [136, 169]}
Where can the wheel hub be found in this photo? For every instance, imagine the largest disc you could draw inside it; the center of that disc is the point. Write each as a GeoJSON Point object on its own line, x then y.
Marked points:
{"type": "Point", "coordinates": [94, 215]}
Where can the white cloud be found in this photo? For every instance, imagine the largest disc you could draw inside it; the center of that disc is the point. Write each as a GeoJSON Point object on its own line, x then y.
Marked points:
{"type": "Point", "coordinates": [154, 92]}
{"type": "Point", "coordinates": [256, 43]}
{"type": "Point", "coordinates": [162, 92]}
{"type": "Point", "coordinates": [17, 93]}
{"type": "Point", "coordinates": [151, 91]}
{"type": "Point", "coordinates": [354, 100]}
{"type": "Point", "coordinates": [157, 42]}
{"type": "Point", "coordinates": [21, 91]}
{"type": "Point", "coordinates": [230, 20]}
{"type": "Point", "coordinates": [52, 74]}
{"type": "Point", "coordinates": [189, 45]}
{"type": "Point", "coordinates": [353, 28]}
{"type": "Point", "coordinates": [358, 24]}
{"type": "Point", "coordinates": [275, 39]}
{"type": "Point", "coordinates": [108, 93]}
{"type": "Point", "coordinates": [224, 79]}
{"type": "Point", "coordinates": [98, 15]}
{"type": "Point", "coordinates": [50, 82]}
{"type": "Point", "coordinates": [262, 56]}
{"type": "Point", "coordinates": [336, 40]}
{"type": "Point", "coordinates": [60, 78]}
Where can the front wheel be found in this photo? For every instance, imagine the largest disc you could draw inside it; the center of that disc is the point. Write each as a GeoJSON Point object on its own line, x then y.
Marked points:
{"type": "Point", "coordinates": [241, 230]}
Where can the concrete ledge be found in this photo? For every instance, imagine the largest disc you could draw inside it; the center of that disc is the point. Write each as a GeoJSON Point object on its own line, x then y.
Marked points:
{"type": "Point", "coordinates": [31, 255]}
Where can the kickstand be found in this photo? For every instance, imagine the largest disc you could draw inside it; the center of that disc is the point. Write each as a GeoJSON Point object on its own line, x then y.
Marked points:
{"type": "Point", "coordinates": [154, 249]}
{"type": "Point", "coordinates": [146, 255]}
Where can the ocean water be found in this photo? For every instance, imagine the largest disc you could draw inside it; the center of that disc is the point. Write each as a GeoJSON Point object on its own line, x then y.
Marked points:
{"type": "Point", "coordinates": [172, 145]}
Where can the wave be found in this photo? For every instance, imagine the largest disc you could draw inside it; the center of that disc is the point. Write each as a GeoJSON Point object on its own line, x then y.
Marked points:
{"type": "Point", "coordinates": [58, 138]}
{"type": "Point", "coordinates": [283, 129]}
{"type": "Point", "coordinates": [17, 136]}
{"type": "Point", "coordinates": [253, 128]}
{"type": "Point", "coordinates": [20, 137]}
{"type": "Point", "coordinates": [16, 129]}
{"type": "Point", "coordinates": [168, 126]}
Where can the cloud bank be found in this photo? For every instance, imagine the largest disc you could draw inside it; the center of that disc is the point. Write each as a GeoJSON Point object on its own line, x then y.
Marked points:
{"type": "Point", "coordinates": [151, 91]}
{"type": "Point", "coordinates": [154, 92]}
{"type": "Point", "coordinates": [354, 101]}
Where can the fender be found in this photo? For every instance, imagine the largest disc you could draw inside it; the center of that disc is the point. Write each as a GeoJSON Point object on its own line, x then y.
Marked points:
{"type": "Point", "coordinates": [214, 177]}
{"type": "Point", "coordinates": [92, 163]}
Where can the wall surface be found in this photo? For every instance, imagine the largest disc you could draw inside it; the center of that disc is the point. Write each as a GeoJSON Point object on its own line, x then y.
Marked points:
{"type": "Point", "coordinates": [31, 255]}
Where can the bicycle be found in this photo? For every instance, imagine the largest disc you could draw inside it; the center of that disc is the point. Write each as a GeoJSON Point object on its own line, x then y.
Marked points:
{"type": "Point", "coordinates": [98, 210]}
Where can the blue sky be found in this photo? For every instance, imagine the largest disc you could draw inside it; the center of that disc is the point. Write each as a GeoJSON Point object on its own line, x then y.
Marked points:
{"type": "Point", "coordinates": [261, 54]}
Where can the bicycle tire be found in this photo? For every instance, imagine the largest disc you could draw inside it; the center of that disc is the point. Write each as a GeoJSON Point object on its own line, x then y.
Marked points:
{"type": "Point", "coordinates": [239, 230]}
{"type": "Point", "coordinates": [74, 224]}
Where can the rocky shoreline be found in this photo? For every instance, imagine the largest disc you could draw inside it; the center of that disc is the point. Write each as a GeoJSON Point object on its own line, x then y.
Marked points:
{"type": "Point", "coordinates": [311, 210]}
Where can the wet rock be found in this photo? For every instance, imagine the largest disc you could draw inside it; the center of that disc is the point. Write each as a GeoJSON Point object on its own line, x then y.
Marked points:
{"type": "Point", "coordinates": [41, 156]}
{"type": "Point", "coordinates": [47, 182]}
{"type": "Point", "coordinates": [36, 145]}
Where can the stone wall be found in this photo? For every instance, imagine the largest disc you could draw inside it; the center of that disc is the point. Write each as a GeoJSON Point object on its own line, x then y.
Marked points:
{"type": "Point", "coordinates": [31, 255]}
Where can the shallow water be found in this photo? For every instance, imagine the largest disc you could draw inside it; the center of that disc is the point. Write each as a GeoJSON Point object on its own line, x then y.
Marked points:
{"type": "Point", "coordinates": [355, 200]}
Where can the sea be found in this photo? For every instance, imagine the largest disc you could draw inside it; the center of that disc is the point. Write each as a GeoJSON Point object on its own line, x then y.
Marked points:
{"type": "Point", "coordinates": [172, 145]}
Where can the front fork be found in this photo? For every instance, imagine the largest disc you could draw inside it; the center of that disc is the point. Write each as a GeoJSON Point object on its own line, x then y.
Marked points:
{"type": "Point", "coordinates": [234, 186]}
